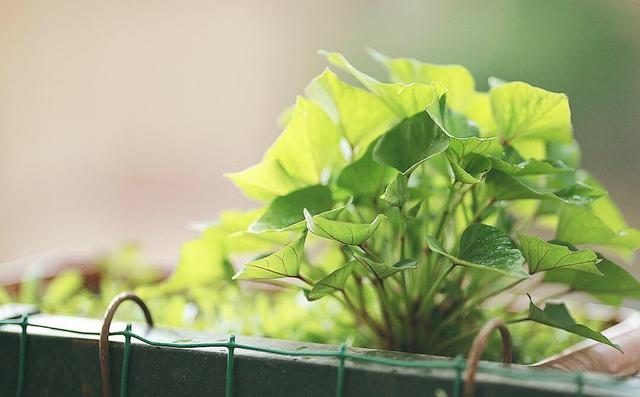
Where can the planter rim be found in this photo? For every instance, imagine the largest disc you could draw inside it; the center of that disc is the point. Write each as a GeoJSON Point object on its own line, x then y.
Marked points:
{"type": "Point", "coordinates": [284, 352]}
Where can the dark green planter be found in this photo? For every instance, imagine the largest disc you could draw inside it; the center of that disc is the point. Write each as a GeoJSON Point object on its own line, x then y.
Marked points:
{"type": "Point", "coordinates": [62, 364]}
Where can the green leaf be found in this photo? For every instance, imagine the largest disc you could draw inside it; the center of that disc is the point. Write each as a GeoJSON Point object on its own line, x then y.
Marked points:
{"type": "Point", "coordinates": [360, 115]}
{"type": "Point", "coordinates": [343, 232]}
{"type": "Point", "coordinates": [469, 169]}
{"type": "Point", "coordinates": [579, 225]}
{"type": "Point", "coordinates": [485, 247]}
{"type": "Point", "coordinates": [569, 153]}
{"type": "Point", "coordinates": [616, 282]}
{"type": "Point", "coordinates": [333, 282]}
{"type": "Point", "coordinates": [456, 78]}
{"type": "Point", "coordinates": [365, 176]}
{"type": "Point", "coordinates": [466, 155]}
{"type": "Point", "coordinates": [61, 288]}
{"type": "Point", "coordinates": [264, 181]}
{"type": "Point", "coordinates": [542, 256]}
{"type": "Point", "coordinates": [522, 111]}
{"type": "Point", "coordinates": [201, 262]}
{"type": "Point", "coordinates": [404, 100]}
{"type": "Point", "coordinates": [397, 192]}
{"type": "Point", "coordinates": [556, 315]}
{"type": "Point", "coordinates": [308, 145]}
{"type": "Point", "coordinates": [409, 143]}
{"type": "Point", "coordinates": [377, 269]}
{"type": "Point", "coordinates": [503, 186]}
{"type": "Point", "coordinates": [287, 210]}
{"type": "Point", "coordinates": [405, 264]}
{"type": "Point", "coordinates": [531, 167]}
{"type": "Point", "coordinates": [283, 263]}
{"type": "Point", "coordinates": [413, 211]}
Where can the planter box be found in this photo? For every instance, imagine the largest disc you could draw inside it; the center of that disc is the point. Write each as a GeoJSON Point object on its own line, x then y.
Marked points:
{"type": "Point", "coordinates": [59, 363]}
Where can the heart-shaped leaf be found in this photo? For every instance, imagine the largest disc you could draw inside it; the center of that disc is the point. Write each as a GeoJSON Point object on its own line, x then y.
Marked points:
{"type": "Point", "coordinates": [405, 100]}
{"type": "Point", "coordinates": [543, 256]}
{"type": "Point", "coordinates": [456, 78]}
{"type": "Point", "coordinates": [283, 263]}
{"type": "Point", "coordinates": [409, 143]}
{"type": "Point", "coordinates": [556, 315]}
{"type": "Point", "coordinates": [485, 247]}
{"type": "Point", "coordinates": [343, 232]}
{"type": "Point", "coordinates": [308, 145]}
{"type": "Point", "coordinates": [335, 281]}
{"type": "Point", "coordinates": [287, 210]}
{"type": "Point", "coordinates": [522, 111]}
{"type": "Point", "coordinates": [360, 115]}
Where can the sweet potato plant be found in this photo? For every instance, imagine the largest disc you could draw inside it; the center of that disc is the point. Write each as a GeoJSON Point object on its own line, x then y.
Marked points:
{"type": "Point", "coordinates": [415, 202]}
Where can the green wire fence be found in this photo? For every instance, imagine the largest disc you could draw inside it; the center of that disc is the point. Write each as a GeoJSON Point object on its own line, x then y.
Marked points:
{"type": "Point", "coordinates": [577, 381]}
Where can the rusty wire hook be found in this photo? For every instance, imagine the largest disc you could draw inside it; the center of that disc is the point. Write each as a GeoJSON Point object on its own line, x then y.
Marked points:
{"type": "Point", "coordinates": [103, 344]}
{"type": "Point", "coordinates": [477, 347]}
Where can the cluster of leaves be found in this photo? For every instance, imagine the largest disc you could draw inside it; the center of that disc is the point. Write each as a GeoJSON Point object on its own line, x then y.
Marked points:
{"type": "Point", "coordinates": [214, 307]}
{"type": "Point", "coordinates": [412, 203]}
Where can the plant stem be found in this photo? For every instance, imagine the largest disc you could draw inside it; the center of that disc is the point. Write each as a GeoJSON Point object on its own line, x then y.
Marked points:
{"type": "Point", "coordinates": [426, 300]}
{"type": "Point", "coordinates": [305, 280]}
{"type": "Point", "coordinates": [362, 314]}
{"type": "Point", "coordinates": [473, 302]}
{"type": "Point", "coordinates": [477, 216]}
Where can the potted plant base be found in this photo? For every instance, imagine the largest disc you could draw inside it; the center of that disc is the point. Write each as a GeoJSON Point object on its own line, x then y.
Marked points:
{"type": "Point", "coordinates": [59, 356]}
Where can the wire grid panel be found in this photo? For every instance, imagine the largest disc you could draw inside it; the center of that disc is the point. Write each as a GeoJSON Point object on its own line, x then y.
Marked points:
{"type": "Point", "coordinates": [576, 381]}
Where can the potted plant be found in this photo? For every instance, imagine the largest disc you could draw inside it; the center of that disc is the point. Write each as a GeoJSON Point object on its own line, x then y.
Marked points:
{"type": "Point", "coordinates": [413, 203]}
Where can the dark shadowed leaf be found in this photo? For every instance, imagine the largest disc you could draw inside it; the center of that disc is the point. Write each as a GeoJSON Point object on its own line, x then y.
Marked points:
{"type": "Point", "coordinates": [286, 210]}
{"type": "Point", "coordinates": [365, 176]}
{"type": "Point", "coordinates": [411, 142]}
{"type": "Point", "coordinates": [485, 247]}
{"type": "Point", "coordinates": [556, 315]}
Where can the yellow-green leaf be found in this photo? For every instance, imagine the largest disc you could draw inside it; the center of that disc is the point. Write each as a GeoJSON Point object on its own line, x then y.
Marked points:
{"type": "Point", "coordinates": [343, 232]}
{"type": "Point", "coordinates": [265, 180]}
{"type": "Point", "coordinates": [360, 115]}
{"type": "Point", "coordinates": [543, 256]}
{"type": "Point", "coordinates": [335, 281]}
{"type": "Point", "coordinates": [522, 111]}
{"type": "Point", "coordinates": [283, 263]}
{"type": "Point", "coordinates": [309, 144]}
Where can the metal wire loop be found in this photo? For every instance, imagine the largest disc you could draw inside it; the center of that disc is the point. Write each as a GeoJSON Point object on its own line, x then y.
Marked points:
{"type": "Point", "coordinates": [477, 347]}
{"type": "Point", "coordinates": [103, 344]}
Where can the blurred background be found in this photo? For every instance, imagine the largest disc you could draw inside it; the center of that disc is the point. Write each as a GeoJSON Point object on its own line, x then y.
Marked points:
{"type": "Point", "coordinates": [118, 118]}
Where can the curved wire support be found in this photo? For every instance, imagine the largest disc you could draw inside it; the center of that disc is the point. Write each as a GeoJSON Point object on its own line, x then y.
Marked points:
{"type": "Point", "coordinates": [103, 344]}
{"type": "Point", "coordinates": [477, 347]}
